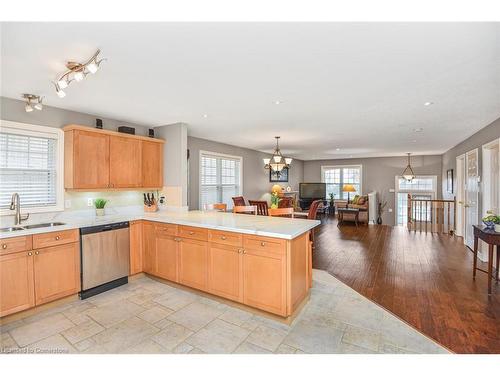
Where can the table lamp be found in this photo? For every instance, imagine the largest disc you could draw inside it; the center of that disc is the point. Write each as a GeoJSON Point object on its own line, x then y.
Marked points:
{"type": "Point", "coordinates": [348, 189]}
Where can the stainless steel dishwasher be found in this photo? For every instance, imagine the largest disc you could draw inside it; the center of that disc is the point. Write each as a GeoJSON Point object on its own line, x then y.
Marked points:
{"type": "Point", "coordinates": [105, 257]}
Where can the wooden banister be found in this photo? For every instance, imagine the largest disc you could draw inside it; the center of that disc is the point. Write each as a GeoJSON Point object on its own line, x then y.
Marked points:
{"type": "Point", "coordinates": [431, 215]}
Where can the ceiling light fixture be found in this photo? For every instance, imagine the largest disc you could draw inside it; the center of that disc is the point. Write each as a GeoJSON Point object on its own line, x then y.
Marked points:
{"type": "Point", "coordinates": [277, 162]}
{"type": "Point", "coordinates": [418, 130]}
{"type": "Point", "coordinates": [408, 173]}
{"type": "Point", "coordinates": [77, 72]}
{"type": "Point", "coordinates": [32, 102]}
{"type": "Point", "coordinates": [205, 115]}
{"type": "Point", "coordinates": [428, 103]}
{"type": "Point", "coordinates": [338, 149]}
{"type": "Point", "coordinates": [277, 102]}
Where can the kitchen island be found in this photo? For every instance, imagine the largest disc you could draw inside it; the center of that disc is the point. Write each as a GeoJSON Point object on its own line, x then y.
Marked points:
{"type": "Point", "coordinates": [259, 261]}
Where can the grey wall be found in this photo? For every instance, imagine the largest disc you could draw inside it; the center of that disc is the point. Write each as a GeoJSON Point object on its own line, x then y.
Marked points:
{"type": "Point", "coordinates": [485, 135]}
{"type": "Point", "coordinates": [379, 175]}
{"type": "Point", "coordinates": [13, 110]}
{"type": "Point", "coordinates": [256, 183]}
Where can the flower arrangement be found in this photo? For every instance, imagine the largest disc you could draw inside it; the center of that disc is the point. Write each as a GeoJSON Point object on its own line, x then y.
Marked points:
{"type": "Point", "coordinates": [491, 220]}
{"type": "Point", "coordinates": [275, 199]}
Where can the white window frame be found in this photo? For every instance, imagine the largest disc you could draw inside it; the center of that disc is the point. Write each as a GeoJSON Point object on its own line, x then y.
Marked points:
{"type": "Point", "coordinates": [47, 132]}
{"type": "Point", "coordinates": [218, 154]}
{"type": "Point", "coordinates": [397, 190]}
{"type": "Point", "coordinates": [360, 166]}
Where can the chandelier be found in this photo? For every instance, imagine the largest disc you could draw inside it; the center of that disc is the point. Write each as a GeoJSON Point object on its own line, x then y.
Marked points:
{"type": "Point", "coordinates": [277, 162]}
{"type": "Point", "coordinates": [77, 72]}
{"type": "Point", "coordinates": [408, 173]}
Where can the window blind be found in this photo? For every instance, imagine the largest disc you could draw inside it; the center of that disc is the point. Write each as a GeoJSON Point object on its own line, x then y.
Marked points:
{"type": "Point", "coordinates": [336, 177]}
{"type": "Point", "coordinates": [219, 179]}
{"type": "Point", "coordinates": [28, 167]}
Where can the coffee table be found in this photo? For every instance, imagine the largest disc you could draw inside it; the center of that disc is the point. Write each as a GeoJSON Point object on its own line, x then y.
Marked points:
{"type": "Point", "coordinates": [343, 211]}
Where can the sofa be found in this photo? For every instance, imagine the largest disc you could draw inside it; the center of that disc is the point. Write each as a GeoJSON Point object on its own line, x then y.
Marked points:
{"type": "Point", "coordinates": [360, 202]}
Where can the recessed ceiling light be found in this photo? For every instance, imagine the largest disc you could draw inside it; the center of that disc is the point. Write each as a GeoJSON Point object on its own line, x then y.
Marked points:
{"type": "Point", "coordinates": [414, 141]}
{"type": "Point", "coordinates": [338, 149]}
{"type": "Point", "coordinates": [428, 103]}
{"type": "Point", "coordinates": [205, 115]}
{"type": "Point", "coordinates": [278, 102]}
{"type": "Point", "coordinates": [418, 130]}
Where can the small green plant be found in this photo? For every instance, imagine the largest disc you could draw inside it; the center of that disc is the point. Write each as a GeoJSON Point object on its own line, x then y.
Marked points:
{"type": "Point", "coordinates": [275, 200]}
{"type": "Point", "coordinates": [332, 197]}
{"type": "Point", "coordinates": [495, 219]}
{"type": "Point", "coordinates": [100, 203]}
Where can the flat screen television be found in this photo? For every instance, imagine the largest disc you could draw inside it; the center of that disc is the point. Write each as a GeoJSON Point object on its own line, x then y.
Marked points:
{"type": "Point", "coordinates": [312, 190]}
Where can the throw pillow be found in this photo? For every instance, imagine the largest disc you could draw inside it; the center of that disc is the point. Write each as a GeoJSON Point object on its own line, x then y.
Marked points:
{"type": "Point", "coordinates": [355, 199]}
{"type": "Point", "coordinates": [361, 200]}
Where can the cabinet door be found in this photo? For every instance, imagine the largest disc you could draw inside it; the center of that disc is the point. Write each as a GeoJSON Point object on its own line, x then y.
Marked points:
{"type": "Point", "coordinates": [57, 272]}
{"type": "Point", "coordinates": [16, 282]}
{"type": "Point", "coordinates": [90, 167]}
{"type": "Point", "coordinates": [125, 162]}
{"type": "Point", "coordinates": [224, 271]}
{"type": "Point", "coordinates": [167, 257]}
{"type": "Point", "coordinates": [149, 243]}
{"type": "Point", "coordinates": [152, 164]}
{"type": "Point", "coordinates": [264, 281]}
{"type": "Point", "coordinates": [193, 263]}
{"type": "Point", "coordinates": [136, 250]}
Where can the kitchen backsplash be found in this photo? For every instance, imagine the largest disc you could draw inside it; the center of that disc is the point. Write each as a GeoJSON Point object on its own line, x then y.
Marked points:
{"type": "Point", "coordinates": [79, 200]}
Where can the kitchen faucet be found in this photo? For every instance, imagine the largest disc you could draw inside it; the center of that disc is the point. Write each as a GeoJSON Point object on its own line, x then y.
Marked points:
{"type": "Point", "coordinates": [15, 204]}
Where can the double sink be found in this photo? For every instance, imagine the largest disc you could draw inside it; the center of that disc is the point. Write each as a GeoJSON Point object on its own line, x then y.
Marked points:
{"type": "Point", "coordinates": [33, 226]}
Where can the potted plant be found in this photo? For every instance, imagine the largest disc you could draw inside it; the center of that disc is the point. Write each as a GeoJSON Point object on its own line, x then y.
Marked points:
{"type": "Point", "coordinates": [492, 221]}
{"type": "Point", "coordinates": [275, 199]}
{"type": "Point", "coordinates": [332, 204]}
{"type": "Point", "coordinates": [99, 204]}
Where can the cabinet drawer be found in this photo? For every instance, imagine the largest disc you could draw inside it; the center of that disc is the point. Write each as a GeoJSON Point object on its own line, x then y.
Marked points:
{"type": "Point", "coordinates": [260, 243]}
{"type": "Point", "coordinates": [55, 238]}
{"type": "Point", "coordinates": [193, 233]}
{"type": "Point", "coordinates": [15, 244]}
{"type": "Point", "coordinates": [166, 229]}
{"type": "Point", "coordinates": [225, 238]}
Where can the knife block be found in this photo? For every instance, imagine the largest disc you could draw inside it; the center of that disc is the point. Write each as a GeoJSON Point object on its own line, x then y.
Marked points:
{"type": "Point", "coordinates": [152, 208]}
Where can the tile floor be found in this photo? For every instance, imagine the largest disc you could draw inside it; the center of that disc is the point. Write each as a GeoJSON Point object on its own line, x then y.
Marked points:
{"type": "Point", "coordinates": [146, 316]}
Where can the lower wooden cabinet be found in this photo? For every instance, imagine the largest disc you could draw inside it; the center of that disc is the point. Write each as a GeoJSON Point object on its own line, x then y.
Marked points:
{"type": "Point", "coordinates": [136, 248]}
{"type": "Point", "coordinates": [57, 272]}
{"type": "Point", "coordinates": [193, 263]}
{"type": "Point", "coordinates": [149, 243]}
{"type": "Point", "coordinates": [225, 271]}
{"type": "Point", "coordinates": [167, 257]}
{"type": "Point", "coordinates": [17, 290]}
{"type": "Point", "coordinates": [264, 281]}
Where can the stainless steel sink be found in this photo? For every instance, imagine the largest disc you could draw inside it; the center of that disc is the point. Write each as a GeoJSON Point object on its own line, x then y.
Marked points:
{"type": "Point", "coordinates": [11, 229]}
{"type": "Point", "coordinates": [43, 225]}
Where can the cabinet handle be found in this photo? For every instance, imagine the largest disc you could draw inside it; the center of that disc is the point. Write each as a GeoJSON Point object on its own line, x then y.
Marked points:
{"type": "Point", "coordinates": [58, 238]}
{"type": "Point", "coordinates": [37, 252]}
{"type": "Point", "coordinates": [4, 246]}
{"type": "Point", "coordinates": [239, 251]}
{"type": "Point", "coordinates": [244, 251]}
{"type": "Point", "coordinates": [30, 254]}
{"type": "Point", "coordinates": [262, 243]}
{"type": "Point", "coordinates": [223, 238]}
{"type": "Point", "coordinates": [191, 232]}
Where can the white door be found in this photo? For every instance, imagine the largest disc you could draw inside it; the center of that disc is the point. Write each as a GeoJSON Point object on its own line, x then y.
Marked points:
{"type": "Point", "coordinates": [460, 230]}
{"type": "Point", "coordinates": [471, 195]}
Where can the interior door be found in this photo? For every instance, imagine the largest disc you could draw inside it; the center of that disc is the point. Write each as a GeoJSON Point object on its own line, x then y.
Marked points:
{"type": "Point", "coordinates": [460, 166]}
{"type": "Point", "coordinates": [471, 195]}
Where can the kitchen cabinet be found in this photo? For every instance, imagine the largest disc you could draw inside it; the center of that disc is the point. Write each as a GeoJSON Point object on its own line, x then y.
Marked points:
{"type": "Point", "coordinates": [86, 160]}
{"type": "Point", "coordinates": [57, 272]}
{"type": "Point", "coordinates": [103, 159]}
{"type": "Point", "coordinates": [125, 161]}
{"type": "Point", "coordinates": [16, 282]}
{"type": "Point", "coordinates": [136, 248]}
{"type": "Point", "coordinates": [149, 243]}
{"type": "Point", "coordinates": [264, 280]}
{"type": "Point", "coordinates": [193, 263]}
{"type": "Point", "coordinates": [152, 164]}
{"type": "Point", "coordinates": [167, 257]}
{"type": "Point", "coordinates": [225, 274]}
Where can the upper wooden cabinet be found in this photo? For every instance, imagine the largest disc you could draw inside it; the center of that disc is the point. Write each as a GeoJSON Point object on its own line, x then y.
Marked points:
{"type": "Point", "coordinates": [103, 159]}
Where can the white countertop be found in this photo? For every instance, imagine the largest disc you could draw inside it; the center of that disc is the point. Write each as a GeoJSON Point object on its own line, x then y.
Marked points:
{"type": "Point", "coordinates": [277, 227]}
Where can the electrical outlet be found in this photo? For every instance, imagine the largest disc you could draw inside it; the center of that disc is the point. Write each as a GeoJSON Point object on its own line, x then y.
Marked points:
{"type": "Point", "coordinates": [90, 202]}
{"type": "Point", "coordinates": [390, 210]}
{"type": "Point", "coordinates": [67, 203]}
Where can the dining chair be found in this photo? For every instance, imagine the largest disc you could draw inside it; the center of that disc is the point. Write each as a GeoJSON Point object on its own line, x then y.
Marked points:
{"type": "Point", "coordinates": [286, 211]}
{"type": "Point", "coordinates": [313, 212]}
{"type": "Point", "coordinates": [262, 208]}
{"type": "Point", "coordinates": [239, 201]}
{"type": "Point", "coordinates": [285, 202]}
{"type": "Point", "coordinates": [252, 210]}
{"type": "Point", "coordinates": [222, 207]}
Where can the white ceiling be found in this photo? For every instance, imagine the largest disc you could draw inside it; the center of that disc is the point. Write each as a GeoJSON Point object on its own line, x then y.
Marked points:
{"type": "Point", "coordinates": [359, 87]}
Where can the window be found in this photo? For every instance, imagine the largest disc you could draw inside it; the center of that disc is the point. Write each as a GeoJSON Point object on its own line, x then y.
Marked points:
{"type": "Point", "coordinates": [31, 164]}
{"type": "Point", "coordinates": [421, 187]}
{"type": "Point", "coordinates": [220, 178]}
{"type": "Point", "coordinates": [336, 177]}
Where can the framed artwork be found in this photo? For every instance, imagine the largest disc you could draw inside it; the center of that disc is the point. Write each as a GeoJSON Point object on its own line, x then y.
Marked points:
{"type": "Point", "coordinates": [282, 177]}
{"type": "Point", "coordinates": [449, 181]}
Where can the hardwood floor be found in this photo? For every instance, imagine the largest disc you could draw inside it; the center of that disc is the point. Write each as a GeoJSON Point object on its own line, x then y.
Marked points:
{"type": "Point", "coordinates": [425, 279]}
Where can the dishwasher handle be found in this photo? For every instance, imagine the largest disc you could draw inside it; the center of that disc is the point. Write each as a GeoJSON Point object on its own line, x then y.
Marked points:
{"type": "Point", "coordinates": [104, 228]}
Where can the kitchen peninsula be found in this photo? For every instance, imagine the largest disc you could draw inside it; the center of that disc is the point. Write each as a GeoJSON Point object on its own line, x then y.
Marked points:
{"type": "Point", "coordinates": [258, 261]}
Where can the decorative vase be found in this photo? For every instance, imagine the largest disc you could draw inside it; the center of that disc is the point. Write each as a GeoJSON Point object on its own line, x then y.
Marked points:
{"type": "Point", "coordinates": [379, 220]}
{"type": "Point", "coordinates": [99, 211]}
{"type": "Point", "coordinates": [489, 224]}
{"type": "Point", "coordinates": [497, 228]}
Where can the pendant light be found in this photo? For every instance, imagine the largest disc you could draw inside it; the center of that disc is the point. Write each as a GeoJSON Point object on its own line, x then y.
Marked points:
{"type": "Point", "coordinates": [408, 173]}
{"type": "Point", "coordinates": [277, 162]}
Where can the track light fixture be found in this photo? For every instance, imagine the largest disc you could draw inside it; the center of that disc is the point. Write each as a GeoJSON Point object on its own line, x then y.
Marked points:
{"type": "Point", "coordinates": [77, 72]}
{"type": "Point", "coordinates": [33, 102]}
